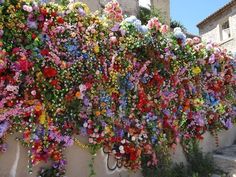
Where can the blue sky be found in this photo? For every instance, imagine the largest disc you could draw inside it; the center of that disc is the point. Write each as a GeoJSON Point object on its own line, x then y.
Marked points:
{"type": "Point", "coordinates": [191, 12]}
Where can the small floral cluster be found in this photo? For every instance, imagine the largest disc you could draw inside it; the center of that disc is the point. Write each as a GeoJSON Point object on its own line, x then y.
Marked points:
{"type": "Point", "coordinates": [130, 88]}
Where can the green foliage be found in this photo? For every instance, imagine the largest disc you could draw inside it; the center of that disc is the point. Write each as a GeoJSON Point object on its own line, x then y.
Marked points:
{"type": "Point", "coordinates": [146, 14]}
{"type": "Point", "coordinates": [50, 172]}
{"type": "Point", "coordinates": [199, 165]}
{"type": "Point", "coordinates": [174, 24]}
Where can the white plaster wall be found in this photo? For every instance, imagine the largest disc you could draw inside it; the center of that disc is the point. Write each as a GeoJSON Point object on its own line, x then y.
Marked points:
{"type": "Point", "coordinates": [78, 159]}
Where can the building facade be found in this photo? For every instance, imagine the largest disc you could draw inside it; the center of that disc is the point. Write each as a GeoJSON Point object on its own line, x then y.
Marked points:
{"type": "Point", "coordinates": [220, 27]}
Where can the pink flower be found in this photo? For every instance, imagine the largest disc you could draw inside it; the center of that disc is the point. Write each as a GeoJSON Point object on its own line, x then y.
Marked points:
{"type": "Point", "coordinates": [154, 24]}
{"type": "Point", "coordinates": [113, 39]}
{"type": "Point", "coordinates": [24, 65]}
{"type": "Point", "coordinates": [33, 92]}
{"type": "Point", "coordinates": [27, 8]}
{"type": "Point", "coordinates": [196, 40]}
{"type": "Point", "coordinates": [164, 29]}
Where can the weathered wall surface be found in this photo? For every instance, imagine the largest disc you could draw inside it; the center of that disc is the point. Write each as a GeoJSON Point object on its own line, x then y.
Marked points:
{"type": "Point", "coordinates": [164, 7]}
{"type": "Point", "coordinates": [211, 30]}
{"type": "Point", "coordinates": [78, 159]}
{"type": "Point", "coordinates": [128, 6]}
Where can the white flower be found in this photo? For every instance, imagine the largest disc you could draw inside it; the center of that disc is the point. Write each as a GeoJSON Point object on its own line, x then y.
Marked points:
{"type": "Point", "coordinates": [85, 124]}
{"type": "Point", "coordinates": [133, 138]}
{"type": "Point", "coordinates": [121, 148]}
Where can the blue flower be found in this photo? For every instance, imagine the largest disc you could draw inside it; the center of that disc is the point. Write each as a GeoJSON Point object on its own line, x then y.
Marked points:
{"type": "Point", "coordinates": [154, 139]}
{"type": "Point", "coordinates": [71, 48]}
{"type": "Point", "coordinates": [179, 34]}
{"type": "Point", "coordinates": [131, 19]}
{"type": "Point", "coordinates": [143, 29]}
{"type": "Point", "coordinates": [85, 56]}
{"type": "Point", "coordinates": [137, 24]}
{"type": "Point", "coordinates": [44, 37]}
{"type": "Point", "coordinates": [211, 100]}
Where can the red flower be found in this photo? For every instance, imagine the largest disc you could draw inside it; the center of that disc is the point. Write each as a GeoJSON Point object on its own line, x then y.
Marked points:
{"type": "Point", "coordinates": [44, 52]}
{"type": "Point", "coordinates": [88, 85]}
{"type": "Point", "coordinates": [15, 50]}
{"type": "Point", "coordinates": [33, 36]}
{"type": "Point", "coordinates": [43, 11]}
{"type": "Point", "coordinates": [55, 83]}
{"type": "Point", "coordinates": [54, 14]}
{"type": "Point", "coordinates": [60, 20]}
{"type": "Point", "coordinates": [24, 65]}
{"type": "Point", "coordinates": [49, 72]}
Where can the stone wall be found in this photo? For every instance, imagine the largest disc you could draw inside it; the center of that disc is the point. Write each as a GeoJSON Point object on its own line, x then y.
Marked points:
{"type": "Point", "coordinates": [164, 7]}
{"type": "Point", "coordinates": [130, 7]}
{"type": "Point", "coordinates": [212, 29]}
{"type": "Point", "coordinates": [78, 159]}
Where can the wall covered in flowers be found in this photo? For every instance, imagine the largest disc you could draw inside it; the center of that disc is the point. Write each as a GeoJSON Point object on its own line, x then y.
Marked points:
{"type": "Point", "coordinates": [130, 88]}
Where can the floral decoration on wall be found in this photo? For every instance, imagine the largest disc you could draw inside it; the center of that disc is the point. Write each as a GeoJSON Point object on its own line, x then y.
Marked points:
{"type": "Point", "coordinates": [128, 87]}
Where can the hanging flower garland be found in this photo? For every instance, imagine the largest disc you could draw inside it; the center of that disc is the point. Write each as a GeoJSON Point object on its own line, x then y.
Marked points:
{"type": "Point", "coordinates": [128, 87]}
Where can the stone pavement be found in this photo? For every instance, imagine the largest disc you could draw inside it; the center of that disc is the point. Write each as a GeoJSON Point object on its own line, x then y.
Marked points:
{"type": "Point", "coordinates": [225, 159]}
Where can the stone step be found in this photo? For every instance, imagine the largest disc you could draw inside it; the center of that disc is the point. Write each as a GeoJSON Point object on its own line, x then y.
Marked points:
{"type": "Point", "coordinates": [225, 159]}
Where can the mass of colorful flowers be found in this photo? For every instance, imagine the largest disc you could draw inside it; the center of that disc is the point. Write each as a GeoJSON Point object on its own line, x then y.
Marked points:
{"type": "Point", "coordinates": [127, 86]}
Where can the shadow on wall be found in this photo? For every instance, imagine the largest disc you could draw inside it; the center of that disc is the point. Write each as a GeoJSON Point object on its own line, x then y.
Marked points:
{"type": "Point", "coordinates": [78, 159]}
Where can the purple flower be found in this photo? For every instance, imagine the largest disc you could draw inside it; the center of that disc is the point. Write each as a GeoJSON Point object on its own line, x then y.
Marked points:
{"type": "Point", "coordinates": [32, 24]}
{"type": "Point", "coordinates": [228, 123]}
{"type": "Point", "coordinates": [3, 147]}
{"type": "Point", "coordinates": [83, 131]}
{"type": "Point", "coordinates": [81, 12]}
{"type": "Point", "coordinates": [3, 128]}
{"type": "Point", "coordinates": [1, 31]}
{"type": "Point", "coordinates": [212, 59]}
{"type": "Point", "coordinates": [109, 113]}
{"type": "Point", "coordinates": [68, 141]}
{"type": "Point", "coordinates": [116, 27]}
{"type": "Point", "coordinates": [86, 101]}
{"type": "Point", "coordinates": [199, 120]}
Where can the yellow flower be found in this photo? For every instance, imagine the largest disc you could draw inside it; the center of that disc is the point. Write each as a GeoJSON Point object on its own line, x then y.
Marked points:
{"type": "Point", "coordinates": [96, 48]}
{"type": "Point", "coordinates": [220, 108]}
{"type": "Point", "coordinates": [42, 118]}
{"type": "Point", "coordinates": [198, 102]}
{"type": "Point", "coordinates": [107, 130]}
{"type": "Point", "coordinates": [196, 70]}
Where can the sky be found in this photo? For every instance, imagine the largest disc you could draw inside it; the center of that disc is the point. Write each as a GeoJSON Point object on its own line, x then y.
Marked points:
{"type": "Point", "coordinates": [191, 12]}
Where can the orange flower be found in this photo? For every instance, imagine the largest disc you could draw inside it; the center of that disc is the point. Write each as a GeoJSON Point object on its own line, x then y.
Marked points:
{"type": "Point", "coordinates": [78, 95]}
{"type": "Point", "coordinates": [97, 113]}
{"type": "Point", "coordinates": [38, 107]}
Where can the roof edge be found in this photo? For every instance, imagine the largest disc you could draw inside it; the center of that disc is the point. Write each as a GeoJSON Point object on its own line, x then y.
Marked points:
{"type": "Point", "coordinates": [224, 8]}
